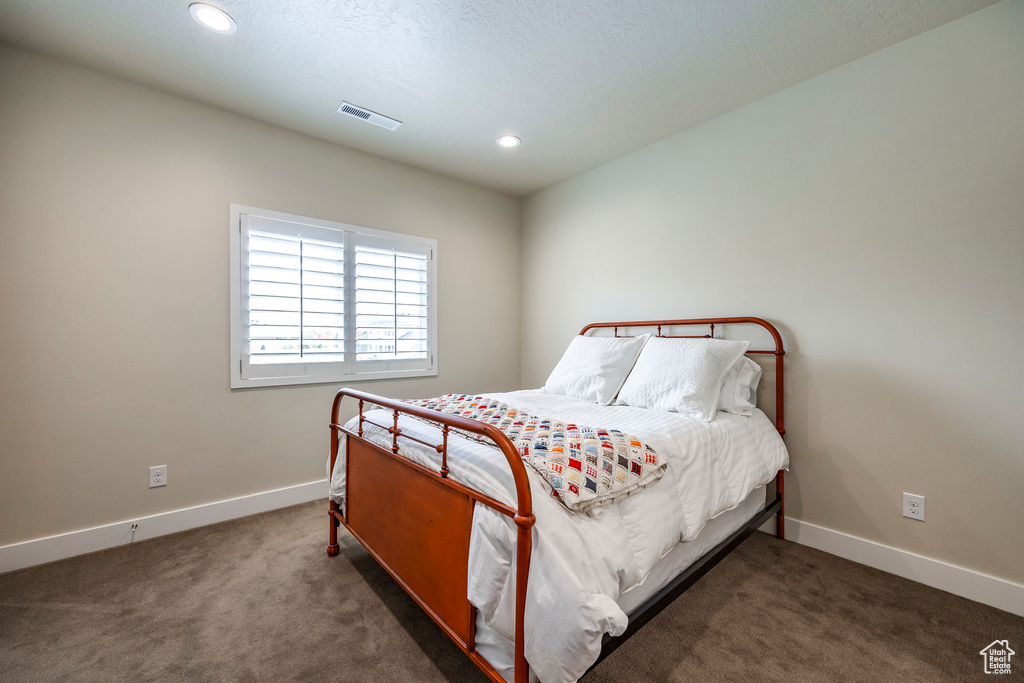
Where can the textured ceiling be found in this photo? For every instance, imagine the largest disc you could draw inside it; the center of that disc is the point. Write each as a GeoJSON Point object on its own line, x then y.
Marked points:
{"type": "Point", "coordinates": [581, 82]}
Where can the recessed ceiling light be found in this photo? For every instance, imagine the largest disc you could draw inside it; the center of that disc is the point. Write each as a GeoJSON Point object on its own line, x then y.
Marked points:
{"type": "Point", "coordinates": [213, 18]}
{"type": "Point", "coordinates": [508, 141]}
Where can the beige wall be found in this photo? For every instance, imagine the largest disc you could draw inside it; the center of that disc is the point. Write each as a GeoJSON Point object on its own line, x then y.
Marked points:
{"type": "Point", "coordinates": [877, 214]}
{"type": "Point", "coordinates": [114, 294]}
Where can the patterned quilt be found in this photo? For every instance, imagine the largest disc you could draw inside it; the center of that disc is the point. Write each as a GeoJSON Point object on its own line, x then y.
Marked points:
{"type": "Point", "coordinates": [585, 468]}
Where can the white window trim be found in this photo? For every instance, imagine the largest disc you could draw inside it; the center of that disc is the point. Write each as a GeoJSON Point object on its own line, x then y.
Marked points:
{"type": "Point", "coordinates": [238, 289]}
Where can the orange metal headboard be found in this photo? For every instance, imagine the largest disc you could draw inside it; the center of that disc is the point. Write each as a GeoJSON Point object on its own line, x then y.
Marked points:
{"type": "Point", "coordinates": [778, 351]}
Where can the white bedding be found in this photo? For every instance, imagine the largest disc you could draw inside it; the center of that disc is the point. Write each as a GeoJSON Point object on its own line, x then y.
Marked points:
{"type": "Point", "coordinates": [580, 564]}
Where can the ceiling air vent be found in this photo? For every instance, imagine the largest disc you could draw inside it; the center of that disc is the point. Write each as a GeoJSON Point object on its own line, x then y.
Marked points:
{"type": "Point", "coordinates": [369, 116]}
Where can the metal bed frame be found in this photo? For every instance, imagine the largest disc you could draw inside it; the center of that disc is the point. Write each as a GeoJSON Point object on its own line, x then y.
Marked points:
{"type": "Point", "coordinates": [418, 528]}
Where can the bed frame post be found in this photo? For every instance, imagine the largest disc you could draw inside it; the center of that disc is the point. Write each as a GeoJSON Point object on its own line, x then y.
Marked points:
{"type": "Point", "coordinates": [780, 516]}
{"type": "Point", "coordinates": [332, 514]}
{"type": "Point", "coordinates": [332, 544]}
{"type": "Point", "coordinates": [780, 424]}
{"type": "Point", "coordinates": [524, 547]}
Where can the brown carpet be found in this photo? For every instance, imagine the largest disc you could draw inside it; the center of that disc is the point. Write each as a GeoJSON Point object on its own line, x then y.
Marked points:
{"type": "Point", "coordinates": [257, 599]}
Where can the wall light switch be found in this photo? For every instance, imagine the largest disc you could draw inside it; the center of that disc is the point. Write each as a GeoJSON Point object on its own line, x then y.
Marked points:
{"type": "Point", "coordinates": [913, 506]}
{"type": "Point", "coordinates": [158, 476]}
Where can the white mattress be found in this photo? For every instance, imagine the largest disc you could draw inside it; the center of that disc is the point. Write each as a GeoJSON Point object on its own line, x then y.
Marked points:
{"type": "Point", "coordinates": [582, 566]}
{"type": "Point", "coordinates": [499, 651]}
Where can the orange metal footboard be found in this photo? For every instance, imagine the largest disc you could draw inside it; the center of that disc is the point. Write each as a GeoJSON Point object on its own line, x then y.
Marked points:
{"type": "Point", "coordinates": [416, 522]}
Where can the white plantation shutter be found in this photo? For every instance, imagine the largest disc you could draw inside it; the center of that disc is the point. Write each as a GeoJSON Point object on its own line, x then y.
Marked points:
{"type": "Point", "coordinates": [319, 301]}
{"type": "Point", "coordinates": [296, 299]}
{"type": "Point", "coordinates": [392, 303]}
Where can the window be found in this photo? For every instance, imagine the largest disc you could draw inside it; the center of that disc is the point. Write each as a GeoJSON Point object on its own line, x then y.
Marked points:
{"type": "Point", "coordinates": [317, 301]}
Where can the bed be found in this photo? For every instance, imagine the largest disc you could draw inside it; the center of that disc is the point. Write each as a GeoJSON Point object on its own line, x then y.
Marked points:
{"type": "Point", "coordinates": [525, 589]}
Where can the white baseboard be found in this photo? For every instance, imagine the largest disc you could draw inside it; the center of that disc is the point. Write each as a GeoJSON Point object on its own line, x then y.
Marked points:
{"type": "Point", "coordinates": [40, 550]}
{"type": "Point", "coordinates": [961, 581]}
{"type": "Point", "coordinates": [966, 583]}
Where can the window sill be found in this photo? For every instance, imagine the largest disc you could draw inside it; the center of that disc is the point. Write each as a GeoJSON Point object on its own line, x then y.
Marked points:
{"type": "Point", "coordinates": [238, 383]}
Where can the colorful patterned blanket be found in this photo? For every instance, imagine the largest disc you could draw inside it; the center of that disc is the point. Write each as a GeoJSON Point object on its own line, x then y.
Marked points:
{"type": "Point", "coordinates": [585, 468]}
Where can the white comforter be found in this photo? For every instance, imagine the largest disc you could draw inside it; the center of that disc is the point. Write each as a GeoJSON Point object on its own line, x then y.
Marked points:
{"type": "Point", "coordinates": [581, 564]}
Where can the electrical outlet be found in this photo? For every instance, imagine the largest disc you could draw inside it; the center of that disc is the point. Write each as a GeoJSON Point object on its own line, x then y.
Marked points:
{"type": "Point", "coordinates": [158, 476]}
{"type": "Point", "coordinates": [913, 506]}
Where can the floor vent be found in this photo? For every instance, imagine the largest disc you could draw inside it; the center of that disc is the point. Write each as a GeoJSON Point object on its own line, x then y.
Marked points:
{"type": "Point", "coordinates": [369, 116]}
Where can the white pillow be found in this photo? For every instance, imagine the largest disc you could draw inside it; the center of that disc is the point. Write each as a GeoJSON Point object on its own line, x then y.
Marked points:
{"type": "Point", "coordinates": [593, 368]}
{"type": "Point", "coordinates": [739, 390]}
{"type": "Point", "coordinates": [681, 375]}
